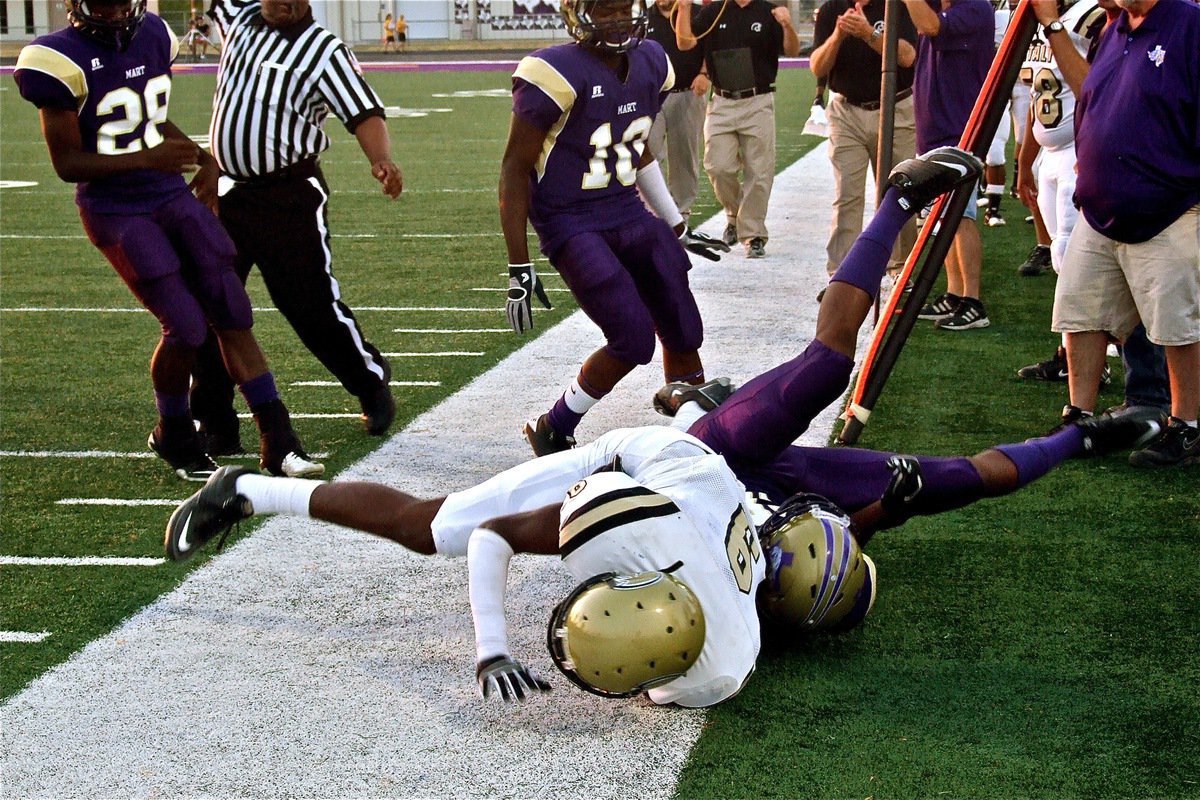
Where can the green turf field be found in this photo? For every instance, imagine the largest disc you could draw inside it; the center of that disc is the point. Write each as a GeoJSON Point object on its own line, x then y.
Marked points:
{"type": "Point", "coordinates": [1040, 645]}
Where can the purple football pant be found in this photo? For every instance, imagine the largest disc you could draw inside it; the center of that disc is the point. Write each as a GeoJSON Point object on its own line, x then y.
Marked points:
{"type": "Point", "coordinates": [178, 261]}
{"type": "Point", "coordinates": [632, 282]}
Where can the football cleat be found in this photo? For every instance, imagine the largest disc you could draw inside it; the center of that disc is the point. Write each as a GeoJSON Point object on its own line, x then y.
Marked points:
{"type": "Point", "coordinates": [544, 439]}
{"type": "Point", "coordinates": [924, 178]}
{"type": "Point", "coordinates": [668, 400]}
{"type": "Point", "coordinates": [216, 508]}
{"type": "Point", "coordinates": [1177, 446]}
{"type": "Point", "coordinates": [1037, 262]}
{"type": "Point", "coordinates": [295, 464]}
{"type": "Point", "coordinates": [993, 218]}
{"type": "Point", "coordinates": [183, 451]}
{"type": "Point", "coordinates": [1105, 433]}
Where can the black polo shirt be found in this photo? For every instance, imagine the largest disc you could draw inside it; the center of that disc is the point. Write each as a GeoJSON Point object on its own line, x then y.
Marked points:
{"type": "Point", "coordinates": [858, 70]}
{"type": "Point", "coordinates": [752, 27]}
{"type": "Point", "coordinates": [686, 63]}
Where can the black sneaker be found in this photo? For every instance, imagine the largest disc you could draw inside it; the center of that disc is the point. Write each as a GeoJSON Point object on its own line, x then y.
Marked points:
{"type": "Point", "coordinates": [923, 178]}
{"type": "Point", "coordinates": [1178, 446]}
{"type": "Point", "coordinates": [1053, 369]}
{"type": "Point", "coordinates": [544, 439]}
{"type": "Point", "coordinates": [969, 314]}
{"type": "Point", "coordinates": [670, 397]}
{"type": "Point", "coordinates": [1105, 433]}
{"type": "Point", "coordinates": [940, 307]}
{"type": "Point", "coordinates": [378, 409]}
{"type": "Point", "coordinates": [1037, 262]}
{"type": "Point", "coordinates": [214, 509]}
{"type": "Point", "coordinates": [993, 219]}
{"type": "Point", "coordinates": [730, 235]}
{"type": "Point", "coordinates": [280, 451]}
{"type": "Point", "coordinates": [183, 451]}
{"type": "Point", "coordinates": [756, 248]}
{"type": "Point", "coordinates": [220, 443]}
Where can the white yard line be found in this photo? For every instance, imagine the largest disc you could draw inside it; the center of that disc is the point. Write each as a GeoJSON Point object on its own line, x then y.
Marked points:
{"type": "Point", "coordinates": [82, 561]}
{"type": "Point", "coordinates": [311, 661]}
{"type": "Point", "coordinates": [338, 384]}
{"type": "Point", "coordinates": [24, 637]}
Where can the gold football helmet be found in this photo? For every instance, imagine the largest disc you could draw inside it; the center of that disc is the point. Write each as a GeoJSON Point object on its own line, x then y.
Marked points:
{"type": "Point", "coordinates": [611, 25]}
{"type": "Point", "coordinates": [818, 578]}
{"type": "Point", "coordinates": [617, 635]}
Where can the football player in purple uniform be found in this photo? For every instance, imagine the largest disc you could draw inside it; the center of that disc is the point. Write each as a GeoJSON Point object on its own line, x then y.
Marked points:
{"type": "Point", "coordinates": [102, 87]}
{"type": "Point", "coordinates": [574, 165]}
{"type": "Point", "coordinates": [673, 495]}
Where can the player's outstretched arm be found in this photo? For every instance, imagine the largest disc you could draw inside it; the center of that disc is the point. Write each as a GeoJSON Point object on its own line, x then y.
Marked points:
{"type": "Point", "coordinates": [60, 128]}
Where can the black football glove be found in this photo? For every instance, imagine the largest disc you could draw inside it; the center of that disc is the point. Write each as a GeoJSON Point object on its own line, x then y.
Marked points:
{"type": "Point", "coordinates": [523, 283]}
{"type": "Point", "coordinates": [907, 482]}
{"type": "Point", "coordinates": [501, 675]}
{"type": "Point", "coordinates": [702, 244]}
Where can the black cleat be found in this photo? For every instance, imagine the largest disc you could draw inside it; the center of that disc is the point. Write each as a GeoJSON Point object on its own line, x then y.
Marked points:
{"type": "Point", "coordinates": [544, 439]}
{"type": "Point", "coordinates": [922, 179]}
{"type": "Point", "coordinates": [1177, 446]}
{"type": "Point", "coordinates": [1108, 432]}
{"type": "Point", "coordinates": [668, 400]}
{"type": "Point", "coordinates": [184, 451]}
{"type": "Point", "coordinates": [214, 509]}
{"type": "Point", "coordinates": [1038, 262]}
{"type": "Point", "coordinates": [220, 443]}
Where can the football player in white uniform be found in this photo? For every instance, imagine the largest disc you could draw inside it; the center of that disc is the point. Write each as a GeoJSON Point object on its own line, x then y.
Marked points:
{"type": "Point", "coordinates": [656, 519]}
{"type": "Point", "coordinates": [1016, 120]}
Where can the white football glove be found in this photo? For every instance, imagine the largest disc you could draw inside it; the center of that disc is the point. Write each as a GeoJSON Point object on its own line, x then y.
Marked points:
{"type": "Point", "coordinates": [702, 244]}
{"type": "Point", "coordinates": [512, 681]}
{"type": "Point", "coordinates": [523, 283]}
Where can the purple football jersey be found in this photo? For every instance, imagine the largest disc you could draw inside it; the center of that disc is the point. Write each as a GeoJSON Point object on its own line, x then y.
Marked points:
{"type": "Point", "coordinates": [596, 128]}
{"type": "Point", "coordinates": [121, 99]}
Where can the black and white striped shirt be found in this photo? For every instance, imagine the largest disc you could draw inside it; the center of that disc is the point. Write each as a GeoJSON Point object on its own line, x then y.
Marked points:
{"type": "Point", "coordinates": [276, 86]}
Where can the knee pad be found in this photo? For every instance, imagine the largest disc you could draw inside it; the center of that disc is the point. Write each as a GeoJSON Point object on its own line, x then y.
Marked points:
{"type": "Point", "coordinates": [225, 301]}
{"type": "Point", "coordinates": [632, 346]}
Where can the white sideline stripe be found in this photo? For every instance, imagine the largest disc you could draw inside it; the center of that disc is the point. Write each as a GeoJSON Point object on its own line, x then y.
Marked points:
{"type": "Point", "coordinates": [144, 453]}
{"type": "Point", "coordinates": [23, 636]}
{"type": "Point", "coordinates": [438, 354]}
{"type": "Point", "coordinates": [451, 330]}
{"type": "Point", "coordinates": [84, 561]}
{"type": "Point", "coordinates": [345, 644]}
{"type": "Point", "coordinates": [303, 415]}
{"type": "Point", "coordinates": [115, 501]}
{"type": "Point", "coordinates": [392, 383]}
{"type": "Point", "coordinates": [549, 289]}
{"type": "Point", "coordinates": [267, 309]}
{"type": "Point", "coordinates": [69, 236]}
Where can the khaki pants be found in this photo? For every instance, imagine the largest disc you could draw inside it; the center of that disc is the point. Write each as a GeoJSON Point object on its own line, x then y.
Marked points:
{"type": "Point", "coordinates": [853, 146]}
{"type": "Point", "coordinates": [675, 142]}
{"type": "Point", "coordinates": [739, 136]}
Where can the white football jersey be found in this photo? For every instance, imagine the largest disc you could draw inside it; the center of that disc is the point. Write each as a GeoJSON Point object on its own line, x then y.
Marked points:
{"type": "Point", "coordinates": [713, 541]}
{"type": "Point", "coordinates": [1052, 99]}
{"type": "Point", "coordinates": [722, 560]}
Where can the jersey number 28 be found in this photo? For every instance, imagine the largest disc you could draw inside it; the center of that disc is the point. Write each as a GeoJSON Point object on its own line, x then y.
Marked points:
{"type": "Point", "coordinates": [150, 108]}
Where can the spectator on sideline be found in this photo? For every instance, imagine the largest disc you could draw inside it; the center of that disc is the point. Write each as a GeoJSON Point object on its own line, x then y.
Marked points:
{"type": "Point", "coordinates": [741, 41]}
{"type": "Point", "coordinates": [389, 33]}
{"type": "Point", "coordinates": [679, 127]}
{"type": "Point", "coordinates": [595, 99]}
{"type": "Point", "coordinates": [954, 52]}
{"type": "Point", "coordinates": [402, 33]}
{"type": "Point", "coordinates": [848, 53]}
{"type": "Point", "coordinates": [277, 211]}
{"type": "Point", "coordinates": [1133, 256]}
{"type": "Point", "coordinates": [1014, 121]}
{"type": "Point", "coordinates": [138, 211]}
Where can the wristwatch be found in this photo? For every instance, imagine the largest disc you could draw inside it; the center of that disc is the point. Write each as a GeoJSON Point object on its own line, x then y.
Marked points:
{"type": "Point", "coordinates": [875, 33]}
{"type": "Point", "coordinates": [1053, 27]}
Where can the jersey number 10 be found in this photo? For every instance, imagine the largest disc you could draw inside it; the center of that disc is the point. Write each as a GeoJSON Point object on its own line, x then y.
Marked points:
{"type": "Point", "coordinates": [632, 142]}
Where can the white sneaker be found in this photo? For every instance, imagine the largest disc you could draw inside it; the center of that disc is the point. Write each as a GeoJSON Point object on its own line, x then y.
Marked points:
{"type": "Point", "coordinates": [297, 465]}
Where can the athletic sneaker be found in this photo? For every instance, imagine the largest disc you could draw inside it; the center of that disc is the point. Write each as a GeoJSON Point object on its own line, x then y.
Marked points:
{"type": "Point", "coordinates": [544, 439]}
{"type": "Point", "coordinates": [1105, 433]}
{"type": "Point", "coordinates": [925, 177]}
{"type": "Point", "coordinates": [756, 247]}
{"type": "Point", "coordinates": [1052, 369]}
{"type": "Point", "coordinates": [1178, 446]}
{"type": "Point", "coordinates": [730, 235]}
{"type": "Point", "coordinates": [1037, 262]}
{"type": "Point", "coordinates": [969, 314]}
{"type": "Point", "coordinates": [184, 451]}
{"type": "Point", "coordinates": [214, 509]}
{"type": "Point", "coordinates": [220, 443]}
{"type": "Point", "coordinates": [670, 397]}
{"type": "Point", "coordinates": [280, 451]}
{"type": "Point", "coordinates": [940, 307]}
{"type": "Point", "coordinates": [993, 218]}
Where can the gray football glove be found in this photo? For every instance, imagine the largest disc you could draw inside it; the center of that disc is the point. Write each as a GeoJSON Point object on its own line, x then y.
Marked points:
{"type": "Point", "coordinates": [906, 483]}
{"type": "Point", "coordinates": [523, 284]}
{"type": "Point", "coordinates": [702, 244]}
{"type": "Point", "coordinates": [512, 681]}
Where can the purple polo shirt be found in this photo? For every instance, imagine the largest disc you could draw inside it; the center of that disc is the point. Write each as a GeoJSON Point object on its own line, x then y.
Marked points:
{"type": "Point", "coordinates": [1137, 125]}
{"type": "Point", "coordinates": [950, 71]}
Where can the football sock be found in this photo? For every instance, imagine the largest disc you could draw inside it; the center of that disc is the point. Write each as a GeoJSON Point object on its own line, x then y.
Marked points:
{"type": "Point", "coordinates": [994, 193]}
{"type": "Point", "coordinates": [259, 391]}
{"type": "Point", "coordinates": [277, 495]}
{"type": "Point", "coordinates": [867, 260]}
{"type": "Point", "coordinates": [1035, 457]}
{"type": "Point", "coordinates": [172, 405]}
{"type": "Point", "coordinates": [570, 408]}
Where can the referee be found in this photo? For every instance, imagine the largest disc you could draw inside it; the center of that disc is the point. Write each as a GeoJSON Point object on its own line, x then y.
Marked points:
{"type": "Point", "coordinates": [281, 75]}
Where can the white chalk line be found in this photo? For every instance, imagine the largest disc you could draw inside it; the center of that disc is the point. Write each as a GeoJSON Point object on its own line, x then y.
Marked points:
{"type": "Point", "coordinates": [81, 561]}
{"type": "Point", "coordinates": [23, 637]}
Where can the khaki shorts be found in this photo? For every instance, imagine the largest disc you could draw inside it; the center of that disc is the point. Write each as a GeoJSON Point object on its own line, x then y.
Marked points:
{"type": "Point", "coordinates": [1109, 286]}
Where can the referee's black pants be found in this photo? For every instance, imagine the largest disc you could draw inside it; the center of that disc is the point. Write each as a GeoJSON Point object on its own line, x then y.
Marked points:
{"type": "Point", "coordinates": [282, 224]}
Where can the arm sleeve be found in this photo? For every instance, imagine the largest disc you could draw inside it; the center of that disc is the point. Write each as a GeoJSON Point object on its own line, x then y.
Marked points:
{"type": "Point", "coordinates": [346, 91]}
